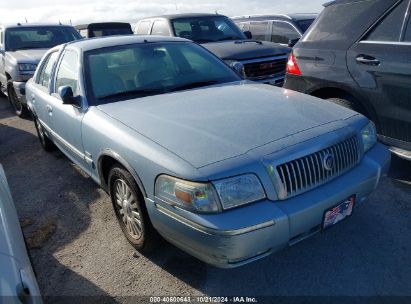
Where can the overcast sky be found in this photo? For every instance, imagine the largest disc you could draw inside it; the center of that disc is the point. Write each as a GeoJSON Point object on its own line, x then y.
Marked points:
{"type": "Point", "coordinates": [82, 11]}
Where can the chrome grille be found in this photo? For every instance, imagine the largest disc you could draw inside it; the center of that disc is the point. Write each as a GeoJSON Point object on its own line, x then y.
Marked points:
{"type": "Point", "coordinates": [259, 69]}
{"type": "Point", "coordinates": [308, 172]}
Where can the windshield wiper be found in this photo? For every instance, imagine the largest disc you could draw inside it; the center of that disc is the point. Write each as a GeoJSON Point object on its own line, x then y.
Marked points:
{"type": "Point", "coordinates": [192, 85]}
{"type": "Point", "coordinates": [142, 92]}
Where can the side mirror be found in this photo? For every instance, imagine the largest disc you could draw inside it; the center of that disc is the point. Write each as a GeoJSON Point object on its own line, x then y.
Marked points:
{"type": "Point", "coordinates": [293, 42]}
{"type": "Point", "coordinates": [2, 51]}
{"type": "Point", "coordinates": [248, 35]}
{"type": "Point", "coordinates": [66, 94]}
{"type": "Point", "coordinates": [238, 67]}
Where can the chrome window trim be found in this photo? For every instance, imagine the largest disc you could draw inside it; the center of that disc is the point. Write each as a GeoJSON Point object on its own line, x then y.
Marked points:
{"type": "Point", "coordinates": [386, 42]}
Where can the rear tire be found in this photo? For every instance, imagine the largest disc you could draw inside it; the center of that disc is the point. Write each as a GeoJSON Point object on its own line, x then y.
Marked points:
{"type": "Point", "coordinates": [20, 109]}
{"type": "Point", "coordinates": [45, 142]}
{"type": "Point", "coordinates": [348, 104]}
{"type": "Point", "coordinates": [130, 210]}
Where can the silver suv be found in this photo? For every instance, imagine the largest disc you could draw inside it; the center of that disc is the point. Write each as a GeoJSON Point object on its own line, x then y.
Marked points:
{"type": "Point", "coordinates": [21, 48]}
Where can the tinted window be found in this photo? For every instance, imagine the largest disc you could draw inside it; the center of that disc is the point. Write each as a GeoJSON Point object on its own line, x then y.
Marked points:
{"type": "Point", "coordinates": [304, 24]}
{"type": "Point", "coordinates": [407, 36]}
{"type": "Point", "coordinates": [283, 32]}
{"type": "Point", "coordinates": [160, 28]}
{"type": "Point", "coordinates": [39, 37]}
{"type": "Point", "coordinates": [67, 74]}
{"type": "Point", "coordinates": [110, 31]}
{"type": "Point", "coordinates": [45, 76]}
{"type": "Point", "coordinates": [260, 30]}
{"type": "Point", "coordinates": [207, 29]}
{"type": "Point", "coordinates": [389, 29]}
{"type": "Point", "coordinates": [340, 22]}
{"type": "Point", "coordinates": [151, 68]}
{"type": "Point", "coordinates": [143, 28]}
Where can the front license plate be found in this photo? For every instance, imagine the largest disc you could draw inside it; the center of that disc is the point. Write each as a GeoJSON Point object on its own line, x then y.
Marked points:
{"type": "Point", "coordinates": [336, 214]}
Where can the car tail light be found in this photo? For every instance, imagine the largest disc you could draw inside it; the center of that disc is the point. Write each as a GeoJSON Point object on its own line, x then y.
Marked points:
{"type": "Point", "coordinates": [292, 66]}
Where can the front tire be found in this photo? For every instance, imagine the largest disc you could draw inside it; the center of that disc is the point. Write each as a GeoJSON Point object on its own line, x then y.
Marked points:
{"type": "Point", "coordinates": [19, 108]}
{"type": "Point", "coordinates": [45, 142]}
{"type": "Point", "coordinates": [131, 213]}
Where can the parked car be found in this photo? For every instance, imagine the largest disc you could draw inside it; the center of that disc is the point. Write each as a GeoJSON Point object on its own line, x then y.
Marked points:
{"type": "Point", "coordinates": [226, 169]}
{"type": "Point", "coordinates": [21, 48]}
{"type": "Point", "coordinates": [358, 54]}
{"type": "Point", "coordinates": [102, 29]}
{"type": "Point", "coordinates": [18, 282]}
{"type": "Point", "coordinates": [258, 61]}
{"type": "Point", "coordinates": [283, 29]}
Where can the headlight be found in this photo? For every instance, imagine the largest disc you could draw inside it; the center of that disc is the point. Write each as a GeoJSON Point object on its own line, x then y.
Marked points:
{"type": "Point", "coordinates": [239, 190]}
{"type": "Point", "coordinates": [192, 196]}
{"type": "Point", "coordinates": [369, 136]}
{"type": "Point", "coordinates": [237, 66]}
{"type": "Point", "coordinates": [24, 67]}
{"type": "Point", "coordinates": [209, 197]}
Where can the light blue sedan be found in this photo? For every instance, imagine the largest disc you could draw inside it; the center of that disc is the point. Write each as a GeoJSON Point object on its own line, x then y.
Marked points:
{"type": "Point", "coordinates": [228, 170]}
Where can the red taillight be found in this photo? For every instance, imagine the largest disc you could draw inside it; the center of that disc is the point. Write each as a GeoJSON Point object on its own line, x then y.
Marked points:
{"type": "Point", "coordinates": [292, 66]}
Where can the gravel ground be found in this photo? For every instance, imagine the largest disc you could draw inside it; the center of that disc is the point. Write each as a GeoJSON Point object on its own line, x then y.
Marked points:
{"type": "Point", "coordinates": [78, 248]}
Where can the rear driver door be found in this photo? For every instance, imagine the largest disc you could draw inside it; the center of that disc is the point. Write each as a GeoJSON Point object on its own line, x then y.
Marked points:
{"type": "Point", "coordinates": [380, 63]}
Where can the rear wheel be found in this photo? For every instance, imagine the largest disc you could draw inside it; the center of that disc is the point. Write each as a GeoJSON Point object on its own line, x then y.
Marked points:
{"type": "Point", "coordinates": [348, 104]}
{"type": "Point", "coordinates": [128, 204]}
{"type": "Point", "coordinates": [19, 108]}
{"type": "Point", "coordinates": [45, 142]}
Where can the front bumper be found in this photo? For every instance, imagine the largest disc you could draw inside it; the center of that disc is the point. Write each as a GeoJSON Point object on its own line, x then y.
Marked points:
{"type": "Point", "coordinates": [240, 236]}
{"type": "Point", "coordinates": [20, 89]}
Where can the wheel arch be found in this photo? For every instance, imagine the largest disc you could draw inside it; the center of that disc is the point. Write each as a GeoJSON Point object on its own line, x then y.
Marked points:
{"type": "Point", "coordinates": [349, 94]}
{"type": "Point", "coordinates": [106, 160]}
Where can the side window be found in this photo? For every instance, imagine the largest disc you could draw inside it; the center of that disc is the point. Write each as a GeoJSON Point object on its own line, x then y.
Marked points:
{"type": "Point", "coordinates": [45, 75]}
{"type": "Point", "coordinates": [160, 28]}
{"type": "Point", "coordinates": [143, 27]}
{"type": "Point", "coordinates": [67, 74]}
{"type": "Point", "coordinates": [283, 32]}
{"type": "Point", "coordinates": [389, 29]}
{"type": "Point", "coordinates": [1, 38]}
{"type": "Point", "coordinates": [83, 33]}
{"type": "Point", "coordinates": [260, 30]}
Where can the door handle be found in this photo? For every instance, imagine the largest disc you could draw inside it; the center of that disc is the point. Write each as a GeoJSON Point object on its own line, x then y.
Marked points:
{"type": "Point", "coordinates": [49, 109]}
{"type": "Point", "coordinates": [369, 60]}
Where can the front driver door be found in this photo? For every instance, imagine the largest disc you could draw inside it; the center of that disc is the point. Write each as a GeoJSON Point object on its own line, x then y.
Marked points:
{"type": "Point", "coordinates": [67, 119]}
{"type": "Point", "coordinates": [381, 65]}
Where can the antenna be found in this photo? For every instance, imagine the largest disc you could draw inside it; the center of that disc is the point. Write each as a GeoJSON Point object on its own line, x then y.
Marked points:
{"type": "Point", "coordinates": [26, 19]}
{"type": "Point", "coordinates": [70, 22]}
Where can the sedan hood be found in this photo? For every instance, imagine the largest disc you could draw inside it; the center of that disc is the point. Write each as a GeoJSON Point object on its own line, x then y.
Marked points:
{"type": "Point", "coordinates": [208, 125]}
{"type": "Point", "coordinates": [27, 56]}
{"type": "Point", "coordinates": [245, 49]}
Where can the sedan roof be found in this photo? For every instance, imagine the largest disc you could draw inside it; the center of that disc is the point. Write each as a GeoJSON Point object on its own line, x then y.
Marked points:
{"type": "Point", "coordinates": [110, 41]}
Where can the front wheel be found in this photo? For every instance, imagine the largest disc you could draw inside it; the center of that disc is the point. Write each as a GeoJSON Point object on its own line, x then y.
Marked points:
{"type": "Point", "coordinates": [19, 108]}
{"type": "Point", "coordinates": [128, 204]}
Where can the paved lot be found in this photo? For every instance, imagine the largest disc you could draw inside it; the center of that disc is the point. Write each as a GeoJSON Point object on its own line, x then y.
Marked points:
{"type": "Point", "coordinates": [81, 250]}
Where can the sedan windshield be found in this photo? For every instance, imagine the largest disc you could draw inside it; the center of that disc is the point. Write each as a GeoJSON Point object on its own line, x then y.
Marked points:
{"type": "Point", "coordinates": [143, 69]}
{"type": "Point", "coordinates": [207, 29]}
{"type": "Point", "coordinates": [39, 37]}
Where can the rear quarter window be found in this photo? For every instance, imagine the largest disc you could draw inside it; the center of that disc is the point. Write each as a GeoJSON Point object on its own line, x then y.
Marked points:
{"type": "Point", "coordinates": [340, 22]}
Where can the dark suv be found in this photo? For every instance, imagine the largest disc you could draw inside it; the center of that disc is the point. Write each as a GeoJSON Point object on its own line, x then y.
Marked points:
{"type": "Point", "coordinates": [258, 61]}
{"type": "Point", "coordinates": [284, 29]}
{"type": "Point", "coordinates": [358, 54]}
